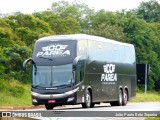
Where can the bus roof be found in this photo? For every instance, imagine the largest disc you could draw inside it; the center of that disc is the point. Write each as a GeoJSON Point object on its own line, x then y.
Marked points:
{"type": "Point", "coordinates": [80, 37]}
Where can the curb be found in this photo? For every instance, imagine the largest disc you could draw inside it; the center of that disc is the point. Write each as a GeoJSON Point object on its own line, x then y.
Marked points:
{"type": "Point", "coordinates": [21, 108]}
{"type": "Point", "coordinates": [34, 107]}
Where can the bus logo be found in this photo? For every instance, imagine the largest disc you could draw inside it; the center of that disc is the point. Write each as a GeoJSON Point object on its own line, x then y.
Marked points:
{"type": "Point", "coordinates": [54, 51]}
{"type": "Point", "coordinates": [109, 76]}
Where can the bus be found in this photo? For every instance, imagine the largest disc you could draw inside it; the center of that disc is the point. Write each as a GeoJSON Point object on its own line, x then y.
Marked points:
{"type": "Point", "coordinates": [82, 69]}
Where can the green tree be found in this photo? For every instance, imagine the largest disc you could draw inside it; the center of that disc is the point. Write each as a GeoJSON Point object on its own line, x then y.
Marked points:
{"type": "Point", "coordinates": [105, 24]}
{"type": "Point", "coordinates": [2, 63]}
{"type": "Point", "coordinates": [14, 57]}
{"type": "Point", "coordinates": [78, 11]}
{"type": "Point", "coordinates": [149, 11]}
{"type": "Point", "coordinates": [7, 37]}
{"type": "Point", "coordinates": [66, 25]}
{"type": "Point", "coordinates": [29, 28]}
{"type": "Point", "coordinates": [108, 31]}
{"type": "Point", "coordinates": [75, 10]}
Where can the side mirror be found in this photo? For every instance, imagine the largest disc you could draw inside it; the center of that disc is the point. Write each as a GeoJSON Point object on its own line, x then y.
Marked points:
{"type": "Point", "coordinates": [75, 62]}
{"type": "Point", "coordinates": [25, 63]}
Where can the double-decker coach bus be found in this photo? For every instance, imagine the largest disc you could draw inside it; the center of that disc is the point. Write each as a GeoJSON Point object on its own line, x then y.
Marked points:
{"type": "Point", "coordinates": [82, 69]}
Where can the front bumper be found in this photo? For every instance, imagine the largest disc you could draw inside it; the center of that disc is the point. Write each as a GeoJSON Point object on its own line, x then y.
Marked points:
{"type": "Point", "coordinates": [60, 99]}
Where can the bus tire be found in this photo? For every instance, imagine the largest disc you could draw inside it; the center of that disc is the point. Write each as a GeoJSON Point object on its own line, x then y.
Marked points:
{"type": "Point", "coordinates": [88, 100]}
{"type": "Point", "coordinates": [49, 106]}
{"type": "Point", "coordinates": [125, 97]}
{"type": "Point", "coordinates": [120, 99]}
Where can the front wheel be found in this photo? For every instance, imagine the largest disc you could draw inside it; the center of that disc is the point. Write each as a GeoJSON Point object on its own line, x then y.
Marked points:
{"type": "Point", "coordinates": [49, 106]}
{"type": "Point", "coordinates": [88, 100]}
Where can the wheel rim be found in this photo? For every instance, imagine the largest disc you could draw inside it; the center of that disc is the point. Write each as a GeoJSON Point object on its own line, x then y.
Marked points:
{"type": "Point", "coordinates": [120, 97]}
{"type": "Point", "coordinates": [88, 99]}
{"type": "Point", "coordinates": [125, 97]}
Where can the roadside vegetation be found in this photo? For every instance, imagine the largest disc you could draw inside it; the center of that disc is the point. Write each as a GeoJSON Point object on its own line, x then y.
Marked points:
{"type": "Point", "coordinates": [147, 97]}
{"type": "Point", "coordinates": [152, 118]}
{"type": "Point", "coordinates": [18, 33]}
{"type": "Point", "coordinates": [14, 93]}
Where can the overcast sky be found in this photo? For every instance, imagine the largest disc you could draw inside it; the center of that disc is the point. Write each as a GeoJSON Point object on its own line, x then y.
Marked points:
{"type": "Point", "coordinates": [30, 6]}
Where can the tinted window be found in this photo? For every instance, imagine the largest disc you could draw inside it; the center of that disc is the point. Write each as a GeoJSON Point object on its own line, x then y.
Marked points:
{"type": "Point", "coordinates": [129, 54]}
{"type": "Point", "coordinates": [101, 51]}
{"type": "Point", "coordinates": [121, 54]}
{"type": "Point", "coordinates": [82, 49]}
{"type": "Point", "coordinates": [108, 52]}
{"type": "Point", "coordinates": [91, 50]}
{"type": "Point", "coordinates": [116, 55]}
{"type": "Point", "coordinates": [49, 76]}
{"type": "Point", "coordinates": [54, 52]}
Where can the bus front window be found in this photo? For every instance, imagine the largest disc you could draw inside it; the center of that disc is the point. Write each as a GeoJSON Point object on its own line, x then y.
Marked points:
{"type": "Point", "coordinates": [53, 76]}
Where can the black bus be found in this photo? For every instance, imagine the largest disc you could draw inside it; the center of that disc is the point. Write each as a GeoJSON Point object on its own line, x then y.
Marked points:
{"type": "Point", "coordinates": [82, 69]}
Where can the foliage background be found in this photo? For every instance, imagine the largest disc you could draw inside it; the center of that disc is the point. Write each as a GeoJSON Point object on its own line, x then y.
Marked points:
{"type": "Point", "coordinates": [18, 33]}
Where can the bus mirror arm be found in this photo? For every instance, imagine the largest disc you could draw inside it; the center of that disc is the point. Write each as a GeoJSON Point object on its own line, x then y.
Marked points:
{"type": "Point", "coordinates": [74, 75]}
{"type": "Point", "coordinates": [75, 62]}
{"type": "Point", "coordinates": [25, 63]}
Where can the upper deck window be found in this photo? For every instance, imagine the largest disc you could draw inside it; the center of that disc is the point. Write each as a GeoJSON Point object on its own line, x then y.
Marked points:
{"type": "Point", "coordinates": [54, 52]}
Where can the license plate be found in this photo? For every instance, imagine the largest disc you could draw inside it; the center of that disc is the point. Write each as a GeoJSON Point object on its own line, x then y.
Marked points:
{"type": "Point", "coordinates": [51, 101]}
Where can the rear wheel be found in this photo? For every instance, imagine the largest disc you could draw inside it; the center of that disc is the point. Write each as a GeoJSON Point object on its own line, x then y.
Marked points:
{"type": "Point", "coordinates": [120, 99]}
{"type": "Point", "coordinates": [49, 106]}
{"type": "Point", "coordinates": [125, 98]}
{"type": "Point", "coordinates": [88, 100]}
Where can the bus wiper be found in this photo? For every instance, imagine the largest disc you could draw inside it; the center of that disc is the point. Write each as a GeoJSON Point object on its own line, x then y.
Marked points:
{"type": "Point", "coordinates": [46, 58]}
{"type": "Point", "coordinates": [70, 85]}
{"type": "Point", "coordinates": [35, 86]}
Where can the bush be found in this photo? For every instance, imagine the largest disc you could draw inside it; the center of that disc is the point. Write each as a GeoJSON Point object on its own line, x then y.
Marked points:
{"type": "Point", "coordinates": [11, 87]}
{"type": "Point", "coordinates": [157, 85]}
{"type": "Point", "coordinates": [16, 91]}
{"type": "Point", "coordinates": [2, 85]}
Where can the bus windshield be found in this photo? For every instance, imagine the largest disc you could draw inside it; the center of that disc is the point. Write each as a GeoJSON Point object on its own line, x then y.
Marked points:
{"type": "Point", "coordinates": [53, 76]}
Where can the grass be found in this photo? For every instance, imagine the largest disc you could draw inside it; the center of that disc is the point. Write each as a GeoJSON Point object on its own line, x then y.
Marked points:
{"type": "Point", "coordinates": [152, 118]}
{"type": "Point", "coordinates": [148, 97]}
{"type": "Point", "coordinates": [14, 93]}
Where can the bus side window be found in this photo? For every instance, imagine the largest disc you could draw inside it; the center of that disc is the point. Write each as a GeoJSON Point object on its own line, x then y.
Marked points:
{"type": "Point", "coordinates": [108, 52]}
{"type": "Point", "coordinates": [115, 53]}
{"type": "Point", "coordinates": [82, 49]}
{"type": "Point", "coordinates": [99, 51]}
{"type": "Point", "coordinates": [91, 50]}
{"type": "Point", "coordinates": [80, 74]}
{"type": "Point", "coordinates": [121, 54]}
{"type": "Point", "coordinates": [129, 55]}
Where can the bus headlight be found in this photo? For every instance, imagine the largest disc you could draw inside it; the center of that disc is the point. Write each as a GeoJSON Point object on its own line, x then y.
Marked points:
{"type": "Point", "coordinates": [34, 93]}
{"type": "Point", "coordinates": [70, 99]}
{"type": "Point", "coordinates": [34, 100]}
